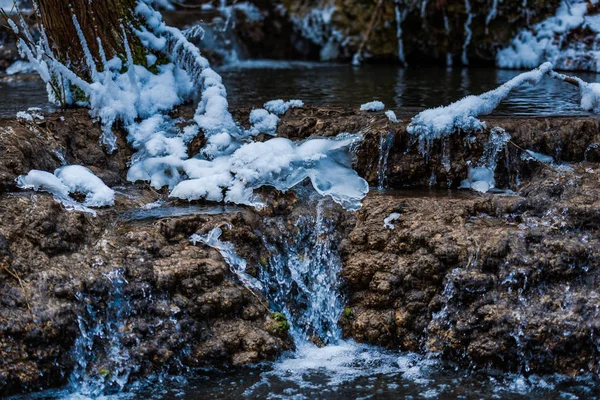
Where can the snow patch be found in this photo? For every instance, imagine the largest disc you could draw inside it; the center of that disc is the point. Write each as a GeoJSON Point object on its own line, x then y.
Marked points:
{"type": "Point", "coordinates": [391, 116]}
{"type": "Point", "coordinates": [20, 67]}
{"type": "Point", "coordinates": [462, 115]}
{"type": "Point", "coordinates": [372, 106]}
{"type": "Point", "coordinates": [67, 180]}
{"type": "Point", "coordinates": [388, 222]}
{"type": "Point", "coordinates": [280, 107]}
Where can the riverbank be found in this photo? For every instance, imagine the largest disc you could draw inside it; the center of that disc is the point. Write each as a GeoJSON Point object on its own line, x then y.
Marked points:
{"type": "Point", "coordinates": [506, 280]}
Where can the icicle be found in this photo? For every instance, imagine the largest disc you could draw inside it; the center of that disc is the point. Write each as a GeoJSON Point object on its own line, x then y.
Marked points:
{"type": "Point", "coordinates": [468, 32]}
{"type": "Point", "coordinates": [491, 15]}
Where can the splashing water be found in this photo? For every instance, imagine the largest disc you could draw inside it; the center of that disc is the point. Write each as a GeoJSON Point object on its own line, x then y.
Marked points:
{"type": "Point", "coordinates": [302, 278]}
{"type": "Point", "coordinates": [103, 364]}
{"type": "Point", "coordinates": [385, 145]}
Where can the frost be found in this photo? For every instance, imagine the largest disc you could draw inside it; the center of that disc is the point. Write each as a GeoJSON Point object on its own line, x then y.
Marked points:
{"type": "Point", "coordinates": [391, 116]}
{"type": "Point", "coordinates": [280, 107]}
{"type": "Point", "coordinates": [388, 222]}
{"type": "Point", "coordinates": [235, 262]}
{"type": "Point", "coordinates": [20, 67]}
{"type": "Point", "coordinates": [547, 41]}
{"type": "Point", "coordinates": [372, 106]}
{"type": "Point", "coordinates": [462, 115]}
{"type": "Point", "coordinates": [70, 180]}
{"type": "Point", "coordinates": [31, 114]}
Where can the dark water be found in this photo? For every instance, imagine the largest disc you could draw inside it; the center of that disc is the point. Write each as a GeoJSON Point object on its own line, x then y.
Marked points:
{"type": "Point", "coordinates": [255, 82]}
{"type": "Point", "coordinates": [350, 371]}
{"type": "Point", "coordinates": [19, 96]}
{"type": "Point", "coordinates": [252, 83]}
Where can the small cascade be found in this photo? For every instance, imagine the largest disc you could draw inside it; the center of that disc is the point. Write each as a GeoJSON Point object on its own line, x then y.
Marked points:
{"type": "Point", "coordinates": [447, 28]}
{"type": "Point", "coordinates": [103, 363]}
{"type": "Point", "coordinates": [385, 145]}
{"type": "Point", "coordinates": [235, 262]}
{"type": "Point", "coordinates": [400, 16]}
{"type": "Point", "coordinates": [301, 278]}
{"type": "Point", "coordinates": [468, 32]}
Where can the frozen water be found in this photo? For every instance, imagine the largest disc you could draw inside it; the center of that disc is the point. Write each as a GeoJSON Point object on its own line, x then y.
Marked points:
{"type": "Point", "coordinates": [373, 106]}
{"type": "Point", "coordinates": [462, 115]}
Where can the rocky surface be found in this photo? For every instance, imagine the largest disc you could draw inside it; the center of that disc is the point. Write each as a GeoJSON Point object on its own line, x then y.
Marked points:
{"type": "Point", "coordinates": [180, 306]}
{"type": "Point", "coordinates": [503, 281]}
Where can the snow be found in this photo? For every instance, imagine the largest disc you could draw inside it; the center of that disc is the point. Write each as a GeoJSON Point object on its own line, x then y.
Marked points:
{"type": "Point", "coordinates": [230, 165]}
{"type": "Point", "coordinates": [82, 180]}
{"type": "Point", "coordinates": [263, 122]}
{"type": "Point", "coordinates": [31, 114]}
{"type": "Point", "coordinates": [391, 116]}
{"type": "Point", "coordinates": [388, 222]}
{"type": "Point", "coordinates": [44, 181]}
{"type": "Point", "coordinates": [462, 115]}
{"type": "Point", "coordinates": [540, 157]}
{"type": "Point", "coordinates": [280, 163]}
{"type": "Point", "coordinates": [68, 180]}
{"type": "Point", "coordinates": [20, 67]}
{"type": "Point", "coordinates": [547, 41]}
{"type": "Point", "coordinates": [280, 107]}
{"type": "Point", "coordinates": [372, 106]}
{"type": "Point", "coordinates": [590, 92]}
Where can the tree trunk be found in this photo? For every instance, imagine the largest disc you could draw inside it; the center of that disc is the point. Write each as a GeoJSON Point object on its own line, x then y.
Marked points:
{"type": "Point", "coordinates": [99, 19]}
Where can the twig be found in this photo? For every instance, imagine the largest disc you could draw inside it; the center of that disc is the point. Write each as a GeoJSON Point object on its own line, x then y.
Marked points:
{"type": "Point", "coordinates": [369, 29]}
{"type": "Point", "coordinates": [258, 298]}
{"type": "Point", "coordinates": [16, 276]}
{"type": "Point", "coordinates": [525, 151]}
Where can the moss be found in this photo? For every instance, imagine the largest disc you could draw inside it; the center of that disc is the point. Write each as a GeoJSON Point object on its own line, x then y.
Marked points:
{"type": "Point", "coordinates": [348, 312]}
{"type": "Point", "coordinates": [281, 324]}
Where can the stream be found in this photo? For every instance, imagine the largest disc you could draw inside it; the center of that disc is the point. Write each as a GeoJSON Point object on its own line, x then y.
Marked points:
{"type": "Point", "coordinates": [301, 279]}
{"type": "Point", "coordinates": [252, 83]}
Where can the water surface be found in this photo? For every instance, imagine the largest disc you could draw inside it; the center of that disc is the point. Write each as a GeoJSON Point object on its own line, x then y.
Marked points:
{"type": "Point", "coordinates": [252, 83]}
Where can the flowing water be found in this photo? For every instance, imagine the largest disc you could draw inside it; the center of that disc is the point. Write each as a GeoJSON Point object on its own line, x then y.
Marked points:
{"type": "Point", "coordinates": [252, 83]}
{"type": "Point", "coordinates": [301, 278]}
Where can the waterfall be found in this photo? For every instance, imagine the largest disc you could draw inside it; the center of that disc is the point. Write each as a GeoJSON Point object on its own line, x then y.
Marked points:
{"type": "Point", "coordinates": [447, 28]}
{"type": "Point", "coordinates": [301, 277]}
{"type": "Point", "coordinates": [468, 32]}
{"type": "Point", "coordinates": [385, 145]}
{"type": "Point", "coordinates": [103, 364]}
{"type": "Point", "coordinates": [400, 16]}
